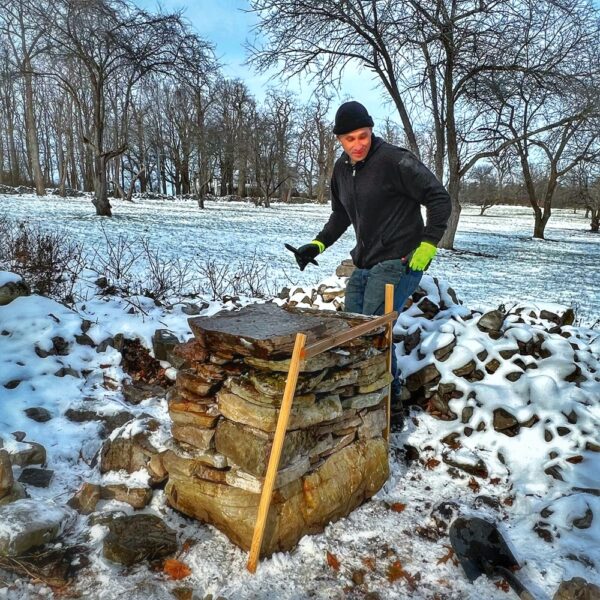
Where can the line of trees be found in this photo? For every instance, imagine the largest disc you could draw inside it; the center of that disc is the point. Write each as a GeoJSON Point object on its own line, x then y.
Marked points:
{"type": "Point", "coordinates": [470, 79]}
{"type": "Point", "coordinates": [103, 96]}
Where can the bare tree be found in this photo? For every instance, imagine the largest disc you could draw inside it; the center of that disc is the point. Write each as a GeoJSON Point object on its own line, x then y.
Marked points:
{"type": "Point", "coordinates": [115, 44]}
{"type": "Point", "coordinates": [424, 54]}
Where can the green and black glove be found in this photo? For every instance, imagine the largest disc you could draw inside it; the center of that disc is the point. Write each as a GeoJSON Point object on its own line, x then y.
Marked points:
{"type": "Point", "coordinates": [307, 253]}
{"type": "Point", "coordinates": [422, 256]}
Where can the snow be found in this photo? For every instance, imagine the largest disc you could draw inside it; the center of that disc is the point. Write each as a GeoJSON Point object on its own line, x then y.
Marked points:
{"type": "Point", "coordinates": [538, 276]}
{"type": "Point", "coordinates": [8, 277]}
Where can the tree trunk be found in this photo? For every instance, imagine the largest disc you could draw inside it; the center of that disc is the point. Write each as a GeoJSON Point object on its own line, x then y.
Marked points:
{"type": "Point", "coordinates": [595, 222]}
{"type": "Point", "coordinates": [32, 138]}
{"type": "Point", "coordinates": [539, 227]}
{"type": "Point", "coordinates": [100, 200]}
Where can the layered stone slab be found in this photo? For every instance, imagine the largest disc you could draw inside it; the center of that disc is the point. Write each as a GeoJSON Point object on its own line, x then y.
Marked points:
{"type": "Point", "coordinates": [305, 506]}
{"type": "Point", "coordinates": [225, 408]}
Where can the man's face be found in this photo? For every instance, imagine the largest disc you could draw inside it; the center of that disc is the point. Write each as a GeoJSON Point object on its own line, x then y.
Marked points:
{"type": "Point", "coordinates": [357, 143]}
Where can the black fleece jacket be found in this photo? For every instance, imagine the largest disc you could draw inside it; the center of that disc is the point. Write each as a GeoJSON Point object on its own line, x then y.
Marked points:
{"type": "Point", "coordinates": [381, 196]}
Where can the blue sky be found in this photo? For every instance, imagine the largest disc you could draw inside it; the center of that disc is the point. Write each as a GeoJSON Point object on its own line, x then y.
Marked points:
{"type": "Point", "coordinates": [228, 25]}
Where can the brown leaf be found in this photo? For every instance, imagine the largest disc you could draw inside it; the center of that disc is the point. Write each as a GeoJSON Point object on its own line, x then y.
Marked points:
{"type": "Point", "coordinates": [431, 463]}
{"type": "Point", "coordinates": [495, 481]}
{"type": "Point", "coordinates": [508, 501]}
{"type": "Point", "coordinates": [369, 563]}
{"type": "Point", "coordinates": [447, 556]}
{"type": "Point", "coordinates": [395, 571]}
{"type": "Point", "coordinates": [397, 507]}
{"type": "Point", "coordinates": [176, 569]}
{"type": "Point", "coordinates": [473, 485]}
{"type": "Point", "coordinates": [333, 562]}
{"type": "Point", "coordinates": [502, 585]}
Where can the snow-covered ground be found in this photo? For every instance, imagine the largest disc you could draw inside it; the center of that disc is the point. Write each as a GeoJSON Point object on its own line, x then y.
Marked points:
{"type": "Point", "coordinates": [498, 261]}
{"type": "Point", "coordinates": [382, 534]}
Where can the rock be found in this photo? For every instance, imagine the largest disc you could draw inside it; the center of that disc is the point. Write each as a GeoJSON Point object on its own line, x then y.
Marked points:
{"type": "Point", "coordinates": [265, 418]}
{"type": "Point", "coordinates": [36, 477]}
{"type": "Point", "coordinates": [28, 523]}
{"type": "Point", "coordinates": [585, 521]}
{"type": "Point", "coordinates": [466, 369]}
{"type": "Point", "coordinates": [132, 539]}
{"type": "Point", "coordinates": [466, 461]}
{"type": "Point", "coordinates": [86, 498]}
{"type": "Point", "coordinates": [373, 423]}
{"type": "Point", "coordinates": [41, 415]}
{"type": "Point", "coordinates": [305, 506]}
{"type": "Point", "coordinates": [17, 492]}
{"type": "Point", "coordinates": [28, 453]}
{"type": "Point", "coordinates": [163, 341]}
{"type": "Point", "coordinates": [491, 321]}
{"type": "Point", "coordinates": [191, 309]}
{"type": "Point", "coordinates": [137, 392]}
{"type": "Point", "coordinates": [202, 439]}
{"type": "Point", "coordinates": [12, 290]}
{"type": "Point", "coordinates": [240, 479]}
{"type": "Point", "coordinates": [127, 453]}
{"type": "Point", "coordinates": [422, 377]}
{"type": "Point", "coordinates": [135, 497]}
{"type": "Point", "coordinates": [577, 589]}
{"type": "Point", "coordinates": [6, 474]}
{"type": "Point", "coordinates": [345, 268]}
{"type": "Point", "coordinates": [188, 461]}
{"type": "Point", "coordinates": [242, 387]}
{"type": "Point", "coordinates": [189, 413]}
{"type": "Point", "coordinates": [505, 423]}
{"type": "Point", "coordinates": [250, 448]}
{"type": "Point", "coordinates": [444, 353]}
{"type": "Point", "coordinates": [263, 330]}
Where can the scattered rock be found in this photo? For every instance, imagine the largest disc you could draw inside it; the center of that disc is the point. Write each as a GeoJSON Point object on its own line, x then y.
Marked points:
{"type": "Point", "coordinates": [86, 498]}
{"type": "Point", "coordinates": [36, 477]}
{"type": "Point", "coordinates": [6, 474]}
{"type": "Point", "coordinates": [12, 290]}
{"type": "Point", "coordinates": [132, 539]}
{"type": "Point", "coordinates": [137, 392]}
{"type": "Point", "coordinates": [29, 523]}
{"type": "Point", "coordinates": [577, 589]}
{"type": "Point", "coordinates": [38, 414]}
{"type": "Point", "coordinates": [163, 341]}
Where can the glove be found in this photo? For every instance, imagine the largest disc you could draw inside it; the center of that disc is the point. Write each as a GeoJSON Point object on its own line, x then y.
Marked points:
{"type": "Point", "coordinates": [308, 252]}
{"type": "Point", "coordinates": [422, 256]}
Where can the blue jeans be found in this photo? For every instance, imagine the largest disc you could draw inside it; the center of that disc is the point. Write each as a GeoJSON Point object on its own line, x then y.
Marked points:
{"type": "Point", "coordinates": [365, 294]}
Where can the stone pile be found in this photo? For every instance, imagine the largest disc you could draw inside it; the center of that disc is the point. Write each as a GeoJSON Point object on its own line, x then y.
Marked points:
{"type": "Point", "coordinates": [224, 411]}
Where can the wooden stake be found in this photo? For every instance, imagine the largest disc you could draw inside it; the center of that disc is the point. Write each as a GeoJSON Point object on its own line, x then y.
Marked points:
{"type": "Point", "coordinates": [274, 458]}
{"type": "Point", "coordinates": [389, 307]}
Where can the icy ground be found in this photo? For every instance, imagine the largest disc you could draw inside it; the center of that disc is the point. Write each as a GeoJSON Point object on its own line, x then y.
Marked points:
{"type": "Point", "coordinates": [378, 544]}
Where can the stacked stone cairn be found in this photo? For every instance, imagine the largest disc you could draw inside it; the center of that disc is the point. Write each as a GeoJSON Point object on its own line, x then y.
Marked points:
{"type": "Point", "coordinates": [224, 410]}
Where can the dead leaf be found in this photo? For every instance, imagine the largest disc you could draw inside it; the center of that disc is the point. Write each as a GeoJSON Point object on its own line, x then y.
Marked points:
{"type": "Point", "coordinates": [473, 485]}
{"type": "Point", "coordinates": [495, 481]}
{"type": "Point", "coordinates": [508, 501]}
{"type": "Point", "coordinates": [431, 463]}
{"type": "Point", "coordinates": [447, 556]}
{"type": "Point", "coordinates": [332, 561]}
{"type": "Point", "coordinates": [369, 563]}
{"type": "Point", "coordinates": [502, 585]}
{"type": "Point", "coordinates": [395, 571]}
{"type": "Point", "coordinates": [397, 507]}
{"type": "Point", "coordinates": [176, 569]}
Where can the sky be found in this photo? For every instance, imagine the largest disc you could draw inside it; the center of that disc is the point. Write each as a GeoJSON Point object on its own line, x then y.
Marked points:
{"type": "Point", "coordinates": [228, 24]}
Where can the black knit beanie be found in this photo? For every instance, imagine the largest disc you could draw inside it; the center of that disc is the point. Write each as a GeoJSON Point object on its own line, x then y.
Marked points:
{"type": "Point", "coordinates": [350, 116]}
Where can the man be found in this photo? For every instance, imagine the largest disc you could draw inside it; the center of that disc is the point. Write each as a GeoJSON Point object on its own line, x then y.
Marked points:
{"type": "Point", "coordinates": [379, 188]}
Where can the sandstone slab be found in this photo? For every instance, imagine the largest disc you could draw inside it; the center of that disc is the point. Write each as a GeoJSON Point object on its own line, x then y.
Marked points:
{"type": "Point", "coordinates": [305, 506]}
